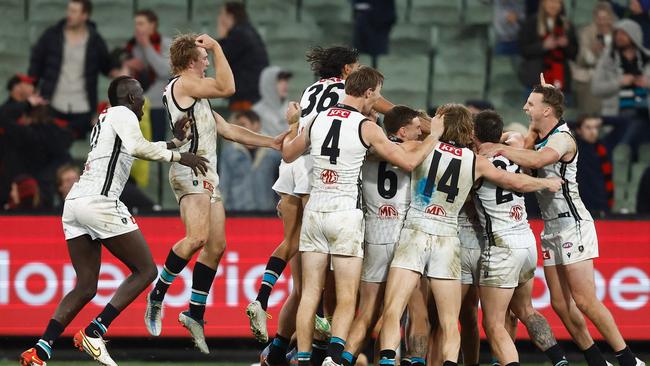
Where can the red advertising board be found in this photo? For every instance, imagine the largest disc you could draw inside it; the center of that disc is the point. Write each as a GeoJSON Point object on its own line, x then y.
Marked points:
{"type": "Point", "coordinates": [35, 273]}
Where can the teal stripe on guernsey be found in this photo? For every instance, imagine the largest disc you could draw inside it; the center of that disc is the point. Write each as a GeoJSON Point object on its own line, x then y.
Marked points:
{"type": "Point", "coordinates": [167, 276]}
{"type": "Point", "coordinates": [200, 298]}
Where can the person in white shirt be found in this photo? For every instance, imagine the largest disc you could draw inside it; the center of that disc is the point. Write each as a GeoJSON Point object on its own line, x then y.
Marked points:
{"type": "Point", "coordinates": [94, 216]}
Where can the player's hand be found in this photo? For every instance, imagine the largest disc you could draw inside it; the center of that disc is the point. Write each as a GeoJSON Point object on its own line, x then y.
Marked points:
{"type": "Point", "coordinates": [554, 184]}
{"type": "Point", "coordinates": [489, 149]}
{"type": "Point", "coordinates": [206, 42]}
{"type": "Point", "coordinates": [198, 164]}
{"type": "Point", "coordinates": [437, 127]}
{"type": "Point", "coordinates": [181, 128]}
{"type": "Point", "coordinates": [278, 140]}
{"type": "Point", "coordinates": [543, 82]}
{"type": "Point", "coordinates": [293, 112]}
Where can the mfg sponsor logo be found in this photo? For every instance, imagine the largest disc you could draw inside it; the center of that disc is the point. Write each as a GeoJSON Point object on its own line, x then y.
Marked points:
{"type": "Point", "coordinates": [328, 176]}
{"type": "Point", "coordinates": [435, 210]}
{"type": "Point", "coordinates": [388, 212]}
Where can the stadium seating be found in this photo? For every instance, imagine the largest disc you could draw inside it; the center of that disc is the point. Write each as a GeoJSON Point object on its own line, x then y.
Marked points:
{"type": "Point", "coordinates": [423, 69]}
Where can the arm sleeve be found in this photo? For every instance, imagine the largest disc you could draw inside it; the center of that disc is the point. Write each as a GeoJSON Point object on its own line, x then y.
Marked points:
{"type": "Point", "coordinates": [127, 128]}
{"type": "Point", "coordinates": [562, 143]}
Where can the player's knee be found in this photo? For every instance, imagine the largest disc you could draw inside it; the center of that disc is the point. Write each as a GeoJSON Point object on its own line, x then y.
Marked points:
{"type": "Point", "coordinates": [560, 306]}
{"type": "Point", "coordinates": [584, 302]}
{"type": "Point", "coordinates": [150, 273]}
{"type": "Point", "coordinates": [196, 241]}
{"type": "Point", "coordinates": [86, 292]}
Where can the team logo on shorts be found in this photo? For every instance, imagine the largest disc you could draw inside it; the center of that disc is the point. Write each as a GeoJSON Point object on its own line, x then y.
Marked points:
{"type": "Point", "coordinates": [329, 176]}
{"type": "Point", "coordinates": [546, 254]}
{"type": "Point", "coordinates": [195, 183]}
{"type": "Point", "coordinates": [567, 245]}
{"type": "Point", "coordinates": [435, 210]}
{"type": "Point", "coordinates": [581, 248]}
{"type": "Point", "coordinates": [207, 185]}
{"type": "Point", "coordinates": [388, 212]}
{"type": "Point", "coordinates": [124, 221]}
{"type": "Point", "coordinates": [517, 212]}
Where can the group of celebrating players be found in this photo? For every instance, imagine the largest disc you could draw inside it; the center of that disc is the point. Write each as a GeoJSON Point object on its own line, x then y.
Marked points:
{"type": "Point", "coordinates": [425, 214]}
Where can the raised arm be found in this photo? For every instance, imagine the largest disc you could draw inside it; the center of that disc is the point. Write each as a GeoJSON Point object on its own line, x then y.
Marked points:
{"type": "Point", "coordinates": [406, 157]}
{"type": "Point", "coordinates": [514, 181]}
{"type": "Point", "coordinates": [245, 136]}
{"type": "Point", "coordinates": [222, 85]}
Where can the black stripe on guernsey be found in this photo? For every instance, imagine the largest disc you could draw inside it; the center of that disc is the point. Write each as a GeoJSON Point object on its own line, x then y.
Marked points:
{"type": "Point", "coordinates": [360, 136]}
{"type": "Point", "coordinates": [474, 168]}
{"type": "Point", "coordinates": [176, 103]}
{"type": "Point", "coordinates": [565, 193]}
{"type": "Point", "coordinates": [488, 225]}
{"type": "Point", "coordinates": [194, 144]}
{"type": "Point", "coordinates": [111, 166]}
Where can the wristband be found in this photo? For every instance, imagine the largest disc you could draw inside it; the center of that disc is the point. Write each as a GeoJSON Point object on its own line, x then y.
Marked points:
{"type": "Point", "coordinates": [176, 156]}
{"type": "Point", "coordinates": [178, 143]}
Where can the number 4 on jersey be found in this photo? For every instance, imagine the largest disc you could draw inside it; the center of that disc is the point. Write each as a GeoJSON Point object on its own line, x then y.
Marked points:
{"type": "Point", "coordinates": [331, 144]}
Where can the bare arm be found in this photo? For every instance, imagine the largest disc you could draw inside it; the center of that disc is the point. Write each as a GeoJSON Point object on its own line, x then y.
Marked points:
{"type": "Point", "coordinates": [382, 105]}
{"type": "Point", "coordinates": [223, 83]}
{"type": "Point", "coordinates": [523, 157]}
{"type": "Point", "coordinates": [245, 136]}
{"type": "Point", "coordinates": [513, 181]}
{"type": "Point", "coordinates": [406, 157]}
{"type": "Point", "coordinates": [295, 146]}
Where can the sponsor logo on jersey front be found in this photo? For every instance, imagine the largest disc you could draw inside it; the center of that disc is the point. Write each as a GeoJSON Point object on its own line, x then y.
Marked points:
{"type": "Point", "coordinates": [451, 149]}
{"type": "Point", "coordinates": [516, 212]}
{"type": "Point", "coordinates": [328, 176]}
{"type": "Point", "coordinates": [567, 245]}
{"type": "Point", "coordinates": [336, 112]}
{"type": "Point", "coordinates": [388, 212]}
{"type": "Point", "coordinates": [435, 210]}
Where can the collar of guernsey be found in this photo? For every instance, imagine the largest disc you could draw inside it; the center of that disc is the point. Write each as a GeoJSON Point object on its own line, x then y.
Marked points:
{"type": "Point", "coordinates": [559, 127]}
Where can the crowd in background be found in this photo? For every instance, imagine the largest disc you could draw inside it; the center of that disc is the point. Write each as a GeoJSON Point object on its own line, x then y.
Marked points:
{"type": "Point", "coordinates": [603, 68]}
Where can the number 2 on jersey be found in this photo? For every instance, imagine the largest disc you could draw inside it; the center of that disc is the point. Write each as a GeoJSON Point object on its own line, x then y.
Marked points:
{"type": "Point", "coordinates": [328, 99]}
{"type": "Point", "coordinates": [504, 198]}
{"type": "Point", "coordinates": [452, 173]}
{"type": "Point", "coordinates": [331, 144]}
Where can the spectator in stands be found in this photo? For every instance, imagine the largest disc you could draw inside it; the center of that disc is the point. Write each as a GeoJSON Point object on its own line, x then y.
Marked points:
{"type": "Point", "coordinates": [49, 140]}
{"type": "Point", "coordinates": [245, 52]}
{"type": "Point", "coordinates": [547, 42]}
{"type": "Point", "coordinates": [66, 176]}
{"type": "Point", "coordinates": [66, 61]}
{"type": "Point", "coordinates": [621, 78]}
{"type": "Point", "coordinates": [643, 196]}
{"type": "Point", "coordinates": [24, 194]}
{"type": "Point", "coordinates": [249, 171]}
{"type": "Point", "coordinates": [22, 98]}
{"type": "Point", "coordinates": [149, 64]}
{"type": "Point", "coordinates": [637, 10]}
{"type": "Point", "coordinates": [373, 21]}
{"type": "Point", "coordinates": [274, 89]}
{"type": "Point", "coordinates": [594, 167]}
{"type": "Point", "coordinates": [594, 38]}
{"type": "Point", "coordinates": [508, 15]}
